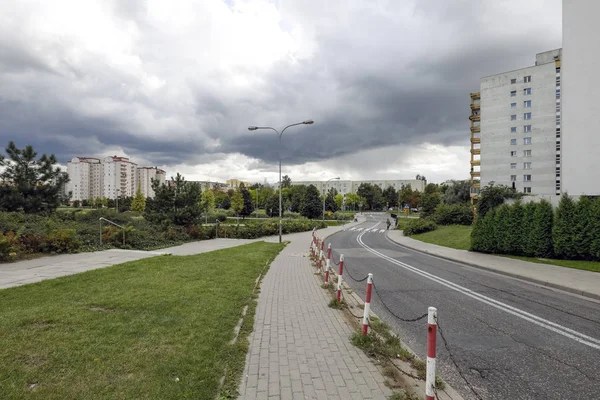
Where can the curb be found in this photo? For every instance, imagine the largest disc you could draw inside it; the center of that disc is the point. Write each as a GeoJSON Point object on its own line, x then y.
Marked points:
{"type": "Point", "coordinates": [501, 272]}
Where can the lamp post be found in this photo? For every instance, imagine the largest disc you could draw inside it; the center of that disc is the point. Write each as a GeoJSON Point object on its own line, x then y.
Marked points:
{"type": "Point", "coordinates": [279, 134]}
{"type": "Point", "coordinates": [117, 201]}
{"type": "Point", "coordinates": [325, 195]}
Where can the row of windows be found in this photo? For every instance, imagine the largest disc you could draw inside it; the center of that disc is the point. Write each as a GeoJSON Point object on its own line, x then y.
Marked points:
{"type": "Point", "coordinates": [526, 153]}
{"type": "Point", "coordinates": [513, 117]}
{"type": "Point", "coordinates": [526, 165]}
{"type": "Point", "coordinates": [526, 92]}
{"type": "Point", "coordinates": [526, 178]}
{"type": "Point", "coordinates": [526, 104]}
{"type": "Point", "coordinates": [526, 140]}
{"type": "Point", "coordinates": [526, 128]}
{"type": "Point", "coordinates": [526, 79]}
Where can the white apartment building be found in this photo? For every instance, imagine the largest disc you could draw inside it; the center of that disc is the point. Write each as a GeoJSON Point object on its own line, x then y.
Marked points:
{"type": "Point", "coordinates": [520, 127]}
{"type": "Point", "coordinates": [110, 177]}
{"type": "Point", "coordinates": [581, 108]}
{"type": "Point", "coordinates": [145, 176]}
{"type": "Point", "coordinates": [345, 186]}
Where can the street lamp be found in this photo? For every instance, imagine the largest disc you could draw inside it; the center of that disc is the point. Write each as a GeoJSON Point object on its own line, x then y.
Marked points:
{"type": "Point", "coordinates": [325, 195]}
{"type": "Point", "coordinates": [279, 134]}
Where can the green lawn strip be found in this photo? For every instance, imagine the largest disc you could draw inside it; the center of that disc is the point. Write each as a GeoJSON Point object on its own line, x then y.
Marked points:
{"type": "Point", "coordinates": [459, 237]}
{"type": "Point", "coordinates": [454, 236]}
{"type": "Point", "coordinates": [154, 328]}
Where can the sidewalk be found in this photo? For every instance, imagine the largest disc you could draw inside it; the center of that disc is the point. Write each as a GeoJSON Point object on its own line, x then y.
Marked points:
{"type": "Point", "coordinates": [300, 348]}
{"type": "Point", "coordinates": [584, 283]}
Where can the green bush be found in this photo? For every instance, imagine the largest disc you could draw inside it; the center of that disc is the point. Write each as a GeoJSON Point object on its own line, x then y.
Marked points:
{"type": "Point", "coordinates": [453, 214]}
{"type": "Point", "coordinates": [564, 230]}
{"type": "Point", "coordinates": [61, 241]}
{"type": "Point", "coordinates": [420, 225]}
{"type": "Point", "coordinates": [541, 233]}
{"type": "Point", "coordinates": [8, 245]}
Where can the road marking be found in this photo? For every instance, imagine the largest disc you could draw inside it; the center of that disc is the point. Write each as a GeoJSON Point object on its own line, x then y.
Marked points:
{"type": "Point", "coordinates": [359, 229]}
{"type": "Point", "coordinates": [381, 230]}
{"type": "Point", "coordinates": [352, 229]}
{"type": "Point", "coordinates": [552, 326]}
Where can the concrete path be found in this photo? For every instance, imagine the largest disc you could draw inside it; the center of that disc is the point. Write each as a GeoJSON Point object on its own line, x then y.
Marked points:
{"type": "Point", "coordinates": [585, 283]}
{"type": "Point", "coordinates": [300, 347]}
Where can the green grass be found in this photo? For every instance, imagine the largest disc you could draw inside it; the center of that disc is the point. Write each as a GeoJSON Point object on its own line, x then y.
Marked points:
{"type": "Point", "coordinates": [459, 237]}
{"type": "Point", "coordinates": [158, 328]}
{"type": "Point", "coordinates": [454, 236]}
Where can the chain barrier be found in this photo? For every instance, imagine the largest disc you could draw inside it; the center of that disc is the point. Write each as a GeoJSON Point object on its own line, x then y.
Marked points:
{"type": "Point", "coordinates": [393, 313]}
{"type": "Point", "coordinates": [349, 310]}
{"type": "Point", "coordinates": [453, 359]}
{"type": "Point", "coordinates": [347, 272]}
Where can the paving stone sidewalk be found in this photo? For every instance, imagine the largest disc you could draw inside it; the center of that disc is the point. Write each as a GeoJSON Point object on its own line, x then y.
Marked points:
{"type": "Point", "coordinates": [300, 348]}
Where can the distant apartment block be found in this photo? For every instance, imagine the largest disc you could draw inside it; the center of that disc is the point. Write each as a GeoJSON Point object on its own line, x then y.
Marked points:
{"type": "Point", "coordinates": [345, 187]}
{"type": "Point", "coordinates": [235, 183]}
{"type": "Point", "coordinates": [110, 177]}
{"type": "Point", "coordinates": [516, 133]}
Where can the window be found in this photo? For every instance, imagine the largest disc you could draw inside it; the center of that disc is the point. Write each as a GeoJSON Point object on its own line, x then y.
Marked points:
{"type": "Point", "coordinates": [513, 153]}
{"type": "Point", "coordinates": [527, 128]}
{"type": "Point", "coordinates": [527, 165]}
{"type": "Point", "coordinates": [513, 178]}
{"type": "Point", "coordinates": [513, 128]}
{"type": "Point", "coordinates": [513, 93]}
{"type": "Point", "coordinates": [527, 79]}
{"type": "Point", "coordinates": [513, 165]}
{"type": "Point", "coordinates": [513, 117]}
{"type": "Point", "coordinates": [527, 91]}
{"type": "Point", "coordinates": [527, 140]}
{"type": "Point", "coordinates": [527, 103]}
{"type": "Point", "coordinates": [527, 189]}
{"type": "Point", "coordinates": [527, 115]}
{"type": "Point", "coordinates": [513, 141]}
{"type": "Point", "coordinates": [513, 81]}
{"type": "Point", "coordinates": [513, 105]}
{"type": "Point", "coordinates": [526, 153]}
{"type": "Point", "coordinates": [526, 178]}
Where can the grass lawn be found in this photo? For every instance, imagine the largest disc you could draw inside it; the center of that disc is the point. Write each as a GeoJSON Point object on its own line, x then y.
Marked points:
{"type": "Point", "coordinates": [454, 236]}
{"type": "Point", "coordinates": [158, 328]}
{"type": "Point", "coordinates": [459, 237]}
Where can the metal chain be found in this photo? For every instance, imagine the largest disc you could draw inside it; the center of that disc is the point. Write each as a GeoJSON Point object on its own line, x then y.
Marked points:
{"type": "Point", "coordinates": [347, 272]}
{"type": "Point", "coordinates": [454, 360]}
{"type": "Point", "coordinates": [348, 308]}
{"type": "Point", "coordinates": [394, 314]}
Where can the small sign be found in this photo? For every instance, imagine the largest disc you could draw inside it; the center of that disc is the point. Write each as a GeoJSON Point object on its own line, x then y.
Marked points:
{"type": "Point", "coordinates": [329, 213]}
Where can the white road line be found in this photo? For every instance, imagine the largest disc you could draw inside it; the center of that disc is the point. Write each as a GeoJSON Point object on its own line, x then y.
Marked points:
{"type": "Point", "coordinates": [552, 326]}
{"type": "Point", "coordinates": [359, 229]}
{"type": "Point", "coordinates": [381, 230]}
{"type": "Point", "coordinates": [352, 229]}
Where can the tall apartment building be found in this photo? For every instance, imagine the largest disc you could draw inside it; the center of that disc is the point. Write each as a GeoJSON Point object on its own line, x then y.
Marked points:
{"type": "Point", "coordinates": [520, 131]}
{"type": "Point", "coordinates": [110, 177]}
{"type": "Point", "coordinates": [475, 119]}
{"type": "Point", "coordinates": [145, 176]}
{"type": "Point", "coordinates": [344, 186]}
{"type": "Point", "coordinates": [581, 108]}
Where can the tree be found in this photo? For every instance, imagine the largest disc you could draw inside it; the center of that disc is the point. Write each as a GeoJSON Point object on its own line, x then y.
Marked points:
{"type": "Point", "coordinates": [28, 184]}
{"type": "Point", "coordinates": [430, 199]}
{"type": "Point", "coordinates": [311, 204]}
{"type": "Point", "coordinates": [330, 204]}
{"type": "Point", "coordinates": [457, 192]}
{"type": "Point", "coordinates": [272, 205]}
{"type": "Point", "coordinates": [565, 225]}
{"type": "Point", "coordinates": [296, 197]}
{"type": "Point", "coordinates": [352, 200]}
{"type": "Point", "coordinates": [286, 182]}
{"type": "Point", "coordinates": [541, 233]}
{"type": "Point", "coordinates": [237, 202]}
{"type": "Point", "coordinates": [138, 204]}
{"type": "Point", "coordinates": [248, 206]}
{"type": "Point", "coordinates": [98, 202]}
{"type": "Point", "coordinates": [493, 195]}
{"type": "Point", "coordinates": [420, 177]}
{"type": "Point", "coordinates": [177, 204]}
{"type": "Point", "coordinates": [207, 203]}
{"type": "Point", "coordinates": [390, 196]}
{"type": "Point", "coordinates": [372, 194]}
{"type": "Point", "coordinates": [405, 196]}
{"type": "Point", "coordinates": [339, 201]}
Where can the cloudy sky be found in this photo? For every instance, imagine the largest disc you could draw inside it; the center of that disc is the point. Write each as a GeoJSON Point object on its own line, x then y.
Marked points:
{"type": "Point", "coordinates": [176, 83]}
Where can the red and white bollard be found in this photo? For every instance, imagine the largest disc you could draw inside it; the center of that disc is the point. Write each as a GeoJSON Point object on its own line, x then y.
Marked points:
{"type": "Point", "coordinates": [321, 253]}
{"type": "Point", "coordinates": [328, 263]}
{"type": "Point", "coordinates": [367, 310]}
{"type": "Point", "coordinates": [431, 338]}
{"type": "Point", "coordinates": [339, 285]}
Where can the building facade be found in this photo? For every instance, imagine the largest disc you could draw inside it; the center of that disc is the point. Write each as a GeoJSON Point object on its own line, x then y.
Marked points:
{"type": "Point", "coordinates": [581, 108]}
{"type": "Point", "coordinates": [235, 183]}
{"type": "Point", "coordinates": [519, 131]}
{"type": "Point", "coordinates": [345, 186]}
{"type": "Point", "coordinates": [110, 178]}
{"type": "Point", "coordinates": [475, 119]}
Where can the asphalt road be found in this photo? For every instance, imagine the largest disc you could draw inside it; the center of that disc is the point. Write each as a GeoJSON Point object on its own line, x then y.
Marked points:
{"type": "Point", "coordinates": [510, 339]}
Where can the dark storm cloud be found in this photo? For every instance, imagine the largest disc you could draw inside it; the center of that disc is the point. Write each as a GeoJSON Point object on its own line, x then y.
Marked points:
{"type": "Point", "coordinates": [374, 80]}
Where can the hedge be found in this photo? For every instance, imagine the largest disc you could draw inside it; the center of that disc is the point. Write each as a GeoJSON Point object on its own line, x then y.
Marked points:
{"type": "Point", "coordinates": [453, 214]}
{"type": "Point", "coordinates": [419, 225]}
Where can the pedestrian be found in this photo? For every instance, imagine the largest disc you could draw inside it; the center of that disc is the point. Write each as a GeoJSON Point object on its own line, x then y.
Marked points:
{"type": "Point", "coordinates": [388, 224]}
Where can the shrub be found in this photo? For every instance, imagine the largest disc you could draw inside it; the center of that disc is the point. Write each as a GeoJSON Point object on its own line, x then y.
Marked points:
{"type": "Point", "coordinates": [563, 233]}
{"type": "Point", "coordinates": [420, 225]}
{"type": "Point", "coordinates": [31, 242]}
{"type": "Point", "coordinates": [541, 233]}
{"type": "Point", "coordinates": [453, 214]}
{"type": "Point", "coordinates": [61, 241]}
{"type": "Point", "coordinates": [8, 245]}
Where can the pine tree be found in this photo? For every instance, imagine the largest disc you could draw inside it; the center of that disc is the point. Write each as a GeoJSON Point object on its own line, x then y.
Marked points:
{"type": "Point", "coordinates": [564, 228]}
{"type": "Point", "coordinates": [513, 242]}
{"type": "Point", "coordinates": [527, 227]}
{"type": "Point", "coordinates": [541, 234]}
{"type": "Point", "coordinates": [139, 201]}
{"type": "Point", "coordinates": [248, 205]}
{"type": "Point", "coordinates": [583, 228]}
{"type": "Point", "coordinates": [501, 225]}
{"type": "Point", "coordinates": [311, 204]}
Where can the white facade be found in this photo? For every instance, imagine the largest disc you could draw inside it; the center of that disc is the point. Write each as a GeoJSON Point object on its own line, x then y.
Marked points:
{"type": "Point", "coordinates": [520, 127]}
{"type": "Point", "coordinates": [110, 177]}
{"type": "Point", "coordinates": [581, 109]}
{"type": "Point", "coordinates": [344, 187]}
{"type": "Point", "coordinates": [145, 176]}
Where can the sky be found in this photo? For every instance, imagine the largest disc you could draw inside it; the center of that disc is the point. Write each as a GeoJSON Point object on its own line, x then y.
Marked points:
{"type": "Point", "coordinates": [175, 84]}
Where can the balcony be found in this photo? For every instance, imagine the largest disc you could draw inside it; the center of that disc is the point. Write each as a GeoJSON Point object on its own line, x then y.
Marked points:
{"type": "Point", "coordinates": [475, 163]}
{"type": "Point", "coordinates": [475, 128]}
{"type": "Point", "coordinates": [475, 151]}
{"type": "Point", "coordinates": [475, 174]}
{"type": "Point", "coordinates": [475, 140]}
{"type": "Point", "coordinates": [475, 117]}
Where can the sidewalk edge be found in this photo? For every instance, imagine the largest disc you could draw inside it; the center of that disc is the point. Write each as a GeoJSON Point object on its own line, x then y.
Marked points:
{"type": "Point", "coordinates": [501, 272]}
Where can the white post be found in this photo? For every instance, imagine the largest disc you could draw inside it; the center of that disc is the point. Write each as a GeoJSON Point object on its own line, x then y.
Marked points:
{"type": "Point", "coordinates": [367, 310]}
{"type": "Point", "coordinates": [431, 339]}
